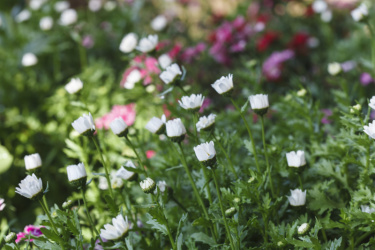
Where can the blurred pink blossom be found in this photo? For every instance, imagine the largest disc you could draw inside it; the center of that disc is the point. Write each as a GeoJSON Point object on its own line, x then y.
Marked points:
{"type": "Point", "coordinates": [30, 229]}
{"type": "Point", "coordinates": [327, 113]}
{"type": "Point", "coordinates": [366, 79]}
{"type": "Point", "coordinates": [191, 53]}
{"type": "Point", "coordinates": [150, 154]}
{"type": "Point", "coordinates": [207, 101]}
{"type": "Point", "coordinates": [272, 67]}
{"type": "Point", "coordinates": [126, 112]}
{"type": "Point", "coordinates": [88, 42]}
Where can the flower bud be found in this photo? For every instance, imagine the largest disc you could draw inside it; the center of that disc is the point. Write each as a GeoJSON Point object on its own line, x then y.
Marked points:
{"type": "Point", "coordinates": [67, 204]}
{"type": "Point", "coordinates": [230, 212]}
{"type": "Point", "coordinates": [148, 185]}
{"type": "Point", "coordinates": [224, 85]}
{"type": "Point", "coordinates": [119, 127]}
{"type": "Point", "coordinates": [10, 238]}
{"type": "Point", "coordinates": [303, 228]}
{"type": "Point", "coordinates": [259, 103]}
{"type": "Point", "coordinates": [77, 175]}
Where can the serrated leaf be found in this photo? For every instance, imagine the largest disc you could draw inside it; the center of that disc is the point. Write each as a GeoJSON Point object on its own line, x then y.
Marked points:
{"type": "Point", "coordinates": [111, 204]}
{"type": "Point", "coordinates": [46, 245]}
{"type": "Point", "coordinates": [72, 228]}
{"type": "Point", "coordinates": [335, 244]}
{"type": "Point", "coordinates": [182, 220]}
{"type": "Point", "coordinates": [202, 237]}
{"type": "Point", "coordinates": [156, 224]}
{"type": "Point", "coordinates": [50, 235]}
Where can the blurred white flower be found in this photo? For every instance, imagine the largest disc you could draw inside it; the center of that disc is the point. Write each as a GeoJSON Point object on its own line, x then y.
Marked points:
{"type": "Point", "coordinates": [360, 13]}
{"type": "Point", "coordinates": [162, 185]}
{"type": "Point", "coordinates": [313, 42]}
{"type": "Point", "coordinates": [297, 198]}
{"type": "Point", "coordinates": [76, 172]}
{"type": "Point", "coordinates": [164, 61]}
{"type": "Point", "coordinates": [133, 77]}
{"type": "Point", "coordinates": [193, 102]}
{"type": "Point", "coordinates": [367, 209]}
{"type": "Point", "coordinates": [126, 174]}
{"type": "Point", "coordinates": [116, 182]}
{"type": "Point", "coordinates": [110, 5]}
{"type": "Point", "coordinates": [148, 44]}
{"type": "Point", "coordinates": [175, 128]}
{"type": "Point", "coordinates": [74, 85]}
{"type": "Point", "coordinates": [370, 129]}
{"type": "Point", "coordinates": [205, 122]}
{"type": "Point", "coordinates": [2, 204]}
{"type": "Point", "coordinates": [36, 4]}
{"type": "Point", "coordinates": [119, 127]}
{"type": "Point", "coordinates": [29, 59]}
{"type": "Point", "coordinates": [84, 124]}
{"type": "Point", "coordinates": [95, 5]}
{"type": "Point", "coordinates": [148, 185]}
{"type": "Point", "coordinates": [128, 43]}
{"type": "Point", "coordinates": [334, 68]}
{"type": "Point", "coordinates": [32, 161]}
{"type": "Point", "coordinates": [23, 16]}
{"type": "Point", "coordinates": [46, 23]}
{"type": "Point", "coordinates": [68, 17]}
{"type": "Point", "coordinates": [372, 102]}
{"type": "Point", "coordinates": [61, 6]}
{"type": "Point", "coordinates": [170, 74]}
{"type": "Point", "coordinates": [296, 159]}
{"type": "Point", "coordinates": [117, 230]}
{"type": "Point", "coordinates": [156, 125]}
{"type": "Point", "coordinates": [319, 6]}
{"type": "Point", "coordinates": [259, 103]}
{"type": "Point", "coordinates": [326, 16]}
{"type": "Point", "coordinates": [224, 84]}
{"type": "Point", "coordinates": [205, 151]}
{"type": "Point", "coordinates": [30, 187]}
{"type": "Point", "coordinates": [159, 23]}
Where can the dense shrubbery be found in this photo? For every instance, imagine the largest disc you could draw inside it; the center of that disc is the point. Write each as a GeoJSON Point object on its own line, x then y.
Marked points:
{"type": "Point", "coordinates": [243, 187]}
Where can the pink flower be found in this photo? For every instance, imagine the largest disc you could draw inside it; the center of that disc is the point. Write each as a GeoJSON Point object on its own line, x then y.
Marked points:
{"type": "Point", "coordinates": [88, 42]}
{"type": "Point", "coordinates": [30, 229]}
{"type": "Point", "coordinates": [366, 79]}
{"type": "Point", "coordinates": [207, 101]}
{"type": "Point", "coordinates": [150, 154]}
{"type": "Point", "coordinates": [126, 112]}
{"type": "Point", "coordinates": [272, 67]}
{"type": "Point", "coordinates": [191, 53]}
{"type": "Point", "coordinates": [327, 113]}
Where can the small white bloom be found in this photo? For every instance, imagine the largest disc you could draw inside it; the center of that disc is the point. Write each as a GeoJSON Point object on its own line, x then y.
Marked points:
{"type": "Point", "coordinates": [148, 44]}
{"type": "Point", "coordinates": [205, 151]}
{"type": "Point", "coordinates": [334, 68]}
{"type": "Point", "coordinates": [2, 204]}
{"type": "Point", "coordinates": [259, 101]}
{"type": "Point", "coordinates": [118, 126]}
{"type": "Point", "coordinates": [367, 209]}
{"type": "Point", "coordinates": [360, 12]}
{"type": "Point", "coordinates": [162, 185]}
{"type": "Point", "coordinates": [170, 73]}
{"type": "Point", "coordinates": [192, 102]}
{"type": "Point", "coordinates": [224, 84]}
{"type": "Point", "coordinates": [303, 228]}
{"type": "Point", "coordinates": [148, 185]}
{"type": "Point", "coordinates": [296, 159]}
{"type": "Point", "coordinates": [76, 172]}
{"type": "Point", "coordinates": [61, 6]}
{"type": "Point", "coordinates": [319, 6]}
{"type": "Point", "coordinates": [95, 5]}
{"type": "Point", "coordinates": [36, 4]}
{"type": "Point", "coordinates": [155, 125]}
{"type": "Point", "coordinates": [164, 61]}
{"type": "Point", "coordinates": [10, 238]}
{"type": "Point", "coordinates": [175, 128]}
{"type": "Point", "coordinates": [117, 230]}
{"type": "Point", "coordinates": [370, 129]}
{"type": "Point", "coordinates": [297, 198]}
{"type": "Point", "coordinates": [133, 77]}
{"type": "Point", "coordinates": [372, 102]}
{"type": "Point", "coordinates": [32, 161]}
{"type": "Point", "coordinates": [84, 124]}
{"type": "Point", "coordinates": [68, 17]}
{"type": "Point", "coordinates": [128, 43]}
{"type": "Point", "coordinates": [30, 187]}
{"type": "Point", "coordinates": [326, 16]}
{"type": "Point", "coordinates": [205, 122]}
{"type": "Point", "coordinates": [110, 5]}
{"type": "Point", "coordinates": [24, 15]}
{"type": "Point", "coordinates": [159, 23]}
{"type": "Point", "coordinates": [29, 59]}
{"type": "Point", "coordinates": [74, 85]}
{"type": "Point", "coordinates": [126, 174]}
{"type": "Point", "coordinates": [46, 23]}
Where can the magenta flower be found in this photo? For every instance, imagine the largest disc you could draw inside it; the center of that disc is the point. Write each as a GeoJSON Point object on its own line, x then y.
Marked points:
{"type": "Point", "coordinates": [272, 67]}
{"type": "Point", "coordinates": [327, 113]}
{"type": "Point", "coordinates": [366, 79]}
{"type": "Point", "coordinates": [207, 101]}
{"type": "Point", "coordinates": [126, 112]}
{"type": "Point", "coordinates": [29, 230]}
{"type": "Point", "coordinates": [150, 154]}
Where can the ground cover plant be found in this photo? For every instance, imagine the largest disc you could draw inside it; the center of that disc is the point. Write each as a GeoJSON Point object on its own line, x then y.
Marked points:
{"type": "Point", "coordinates": [187, 124]}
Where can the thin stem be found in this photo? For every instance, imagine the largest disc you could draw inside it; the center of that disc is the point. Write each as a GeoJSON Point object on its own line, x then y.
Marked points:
{"type": "Point", "coordinates": [179, 204]}
{"type": "Point", "coordinates": [207, 183]}
{"type": "Point", "coordinates": [17, 247]}
{"type": "Point", "coordinates": [222, 209]}
{"type": "Point", "coordinates": [300, 181]}
{"type": "Point", "coordinates": [89, 216]}
{"type": "Point", "coordinates": [82, 56]}
{"type": "Point", "coordinates": [360, 239]}
{"type": "Point", "coordinates": [266, 156]}
{"type": "Point", "coordinates": [128, 207]}
{"type": "Point", "coordinates": [138, 158]}
{"type": "Point", "coordinates": [195, 127]}
{"type": "Point", "coordinates": [95, 140]}
{"type": "Point", "coordinates": [250, 134]}
{"type": "Point", "coordinates": [170, 234]}
{"type": "Point", "coordinates": [226, 155]}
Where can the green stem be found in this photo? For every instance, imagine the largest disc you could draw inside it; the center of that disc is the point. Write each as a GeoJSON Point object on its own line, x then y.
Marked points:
{"type": "Point", "coordinates": [17, 247]}
{"type": "Point", "coordinates": [195, 127]}
{"type": "Point", "coordinates": [128, 207]}
{"type": "Point", "coordinates": [82, 57]}
{"type": "Point", "coordinates": [360, 239]}
{"type": "Point", "coordinates": [226, 155]}
{"type": "Point", "coordinates": [266, 155]}
{"type": "Point", "coordinates": [95, 140]}
{"type": "Point", "coordinates": [89, 217]}
{"type": "Point", "coordinates": [138, 158]}
{"type": "Point", "coordinates": [169, 233]}
{"type": "Point", "coordinates": [179, 204]}
{"type": "Point", "coordinates": [250, 134]}
{"type": "Point", "coordinates": [222, 210]}
{"type": "Point", "coordinates": [207, 183]}
{"type": "Point", "coordinates": [300, 181]}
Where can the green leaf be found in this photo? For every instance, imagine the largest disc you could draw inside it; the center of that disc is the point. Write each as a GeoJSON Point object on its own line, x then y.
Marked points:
{"type": "Point", "coordinates": [46, 245]}
{"type": "Point", "coordinates": [299, 243]}
{"type": "Point", "coordinates": [334, 244]}
{"type": "Point", "coordinates": [134, 170]}
{"type": "Point", "coordinates": [50, 235]}
{"type": "Point", "coordinates": [243, 108]}
{"type": "Point", "coordinates": [157, 222]}
{"type": "Point", "coordinates": [179, 234]}
{"type": "Point", "coordinates": [202, 237]}
{"type": "Point", "coordinates": [111, 204]}
{"type": "Point", "coordinates": [72, 228]}
{"type": "Point", "coordinates": [6, 159]}
{"type": "Point", "coordinates": [201, 221]}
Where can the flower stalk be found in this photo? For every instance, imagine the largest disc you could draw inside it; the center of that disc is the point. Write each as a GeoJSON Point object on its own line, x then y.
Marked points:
{"type": "Point", "coordinates": [137, 155]}
{"type": "Point", "coordinates": [226, 155]}
{"type": "Point", "coordinates": [266, 156]}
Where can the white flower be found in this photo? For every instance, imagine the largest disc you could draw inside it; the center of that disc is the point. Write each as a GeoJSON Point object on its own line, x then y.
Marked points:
{"type": "Point", "coordinates": [297, 198]}
{"type": "Point", "coordinates": [33, 161]}
{"type": "Point", "coordinates": [170, 73]}
{"type": "Point", "coordinates": [367, 209]}
{"type": "Point", "coordinates": [29, 59]}
{"type": "Point", "coordinates": [76, 172]}
{"type": "Point", "coordinates": [46, 23]}
{"type": "Point", "coordinates": [128, 43]}
{"type": "Point", "coordinates": [118, 126]}
{"type": "Point", "coordinates": [61, 6]}
{"type": "Point", "coordinates": [148, 44]}
{"type": "Point", "coordinates": [296, 159]}
{"type": "Point", "coordinates": [126, 174]}
{"type": "Point", "coordinates": [360, 12]}
{"type": "Point", "coordinates": [372, 102]}
{"type": "Point", "coordinates": [30, 187]}
{"type": "Point", "coordinates": [133, 77]}
{"type": "Point", "coordinates": [303, 228]}
{"type": "Point", "coordinates": [159, 23]}
{"type": "Point", "coordinates": [23, 16]}
{"type": "Point", "coordinates": [36, 4]}
{"type": "Point", "coordinates": [116, 182]}
{"type": "Point", "coordinates": [162, 185]}
{"type": "Point", "coordinates": [110, 5]}
{"type": "Point", "coordinates": [370, 129]}
{"type": "Point", "coordinates": [175, 128]}
{"type": "Point", "coordinates": [2, 204]}
{"type": "Point", "coordinates": [84, 124]}
{"type": "Point", "coordinates": [259, 102]}
{"type": "Point", "coordinates": [205, 151]}
{"type": "Point", "coordinates": [148, 185]}
{"type": "Point", "coordinates": [192, 102]}
{"type": "Point", "coordinates": [156, 125]}
{"type": "Point", "coordinates": [95, 5]}
{"type": "Point", "coordinates": [116, 231]}
{"type": "Point", "coordinates": [205, 122]}
{"type": "Point", "coordinates": [164, 61]}
{"type": "Point", "coordinates": [74, 85]}
{"type": "Point", "coordinates": [319, 6]}
{"type": "Point", "coordinates": [334, 68]}
{"type": "Point", "coordinates": [68, 17]}
{"type": "Point", "coordinates": [224, 84]}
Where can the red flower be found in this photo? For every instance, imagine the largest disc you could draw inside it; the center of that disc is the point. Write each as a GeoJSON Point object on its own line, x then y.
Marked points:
{"type": "Point", "coordinates": [265, 41]}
